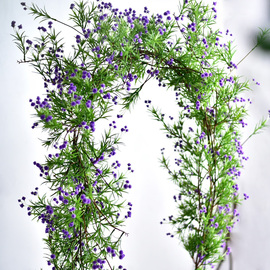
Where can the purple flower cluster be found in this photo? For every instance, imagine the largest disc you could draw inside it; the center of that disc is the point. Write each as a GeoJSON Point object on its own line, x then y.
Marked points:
{"type": "Point", "coordinates": [98, 264]}
{"type": "Point", "coordinates": [85, 200]}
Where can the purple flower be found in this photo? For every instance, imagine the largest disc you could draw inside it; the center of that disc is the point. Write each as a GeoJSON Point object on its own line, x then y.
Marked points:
{"type": "Point", "coordinates": [71, 224]}
{"type": "Point", "coordinates": [65, 201]}
{"type": "Point", "coordinates": [88, 103]}
{"type": "Point", "coordinates": [197, 105]}
{"type": "Point", "coordinates": [29, 42]}
{"type": "Point", "coordinates": [13, 23]}
{"type": "Point", "coordinates": [122, 255]}
{"type": "Point", "coordinates": [49, 118]}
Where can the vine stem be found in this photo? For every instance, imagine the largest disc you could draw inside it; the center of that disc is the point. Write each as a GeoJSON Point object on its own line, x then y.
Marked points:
{"type": "Point", "coordinates": [248, 54]}
{"type": "Point", "coordinates": [108, 220]}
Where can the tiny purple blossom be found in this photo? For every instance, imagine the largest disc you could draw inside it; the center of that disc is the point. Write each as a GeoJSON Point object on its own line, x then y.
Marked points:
{"type": "Point", "coordinates": [49, 118]}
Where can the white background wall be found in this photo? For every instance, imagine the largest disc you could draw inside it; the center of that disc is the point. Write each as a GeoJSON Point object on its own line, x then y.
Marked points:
{"type": "Point", "coordinates": [147, 246]}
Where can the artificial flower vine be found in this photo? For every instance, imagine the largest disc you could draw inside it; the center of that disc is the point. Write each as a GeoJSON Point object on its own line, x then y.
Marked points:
{"type": "Point", "coordinates": [112, 51]}
{"type": "Point", "coordinates": [83, 219]}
